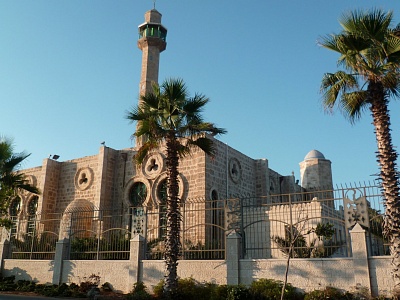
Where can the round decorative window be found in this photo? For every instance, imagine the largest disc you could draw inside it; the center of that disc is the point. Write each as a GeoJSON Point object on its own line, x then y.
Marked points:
{"type": "Point", "coordinates": [153, 165]}
{"type": "Point", "coordinates": [138, 194]}
{"type": "Point", "coordinates": [160, 189]}
{"type": "Point", "coordinates": [235, 170]}
{"type": "Point", "coordinates": [83, 178]}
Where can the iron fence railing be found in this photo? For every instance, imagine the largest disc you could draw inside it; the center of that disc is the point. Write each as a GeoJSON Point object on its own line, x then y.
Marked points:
{"type": "Point", "coordinates": [34, 237]}
{"type": "Point", "coordinates": [304, 224]}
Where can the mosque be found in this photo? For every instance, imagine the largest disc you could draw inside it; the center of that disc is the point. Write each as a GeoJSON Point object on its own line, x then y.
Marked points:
{"type": "Point", "coordinates": [109, 180]}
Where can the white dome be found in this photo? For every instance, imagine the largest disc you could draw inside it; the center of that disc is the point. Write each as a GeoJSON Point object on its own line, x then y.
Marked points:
{"type": "Point", "coordinates": [314, 154]}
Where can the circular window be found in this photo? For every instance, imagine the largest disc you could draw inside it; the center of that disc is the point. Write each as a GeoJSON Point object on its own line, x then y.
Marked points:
{"type": "Point", "coordinates": [160, 189]}
{"type": "Point", "coordinates": [83, 178]}
{"type": "Point", "coordinates": [235, 170]}
{"type": "Point", "coordinates": [138, 194]}
{"type": "Point", "coordinates": [153, 165]}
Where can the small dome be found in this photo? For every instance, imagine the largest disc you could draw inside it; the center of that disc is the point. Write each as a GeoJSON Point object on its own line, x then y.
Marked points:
{"type": "Point", "coordinates": [314, 154]}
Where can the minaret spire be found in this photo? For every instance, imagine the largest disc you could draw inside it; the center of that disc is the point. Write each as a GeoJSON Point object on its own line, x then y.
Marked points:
{"type": "Point", "coordinates": [152, 41]}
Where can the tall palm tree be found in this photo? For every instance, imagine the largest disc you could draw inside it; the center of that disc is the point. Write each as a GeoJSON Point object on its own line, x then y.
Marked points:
{"type": "Point", "coordinates": [369, 51]}
{"type": "Point", "coordinates": [168, 116]}
{"type": "Point", "coordinates": [11, 181]}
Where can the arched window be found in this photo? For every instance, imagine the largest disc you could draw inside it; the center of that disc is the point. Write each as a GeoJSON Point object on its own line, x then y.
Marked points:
{"type": "Point", "coordinates": [32, 210]}
{"type": "Point", "coordinates": [217, 217]}
{"type": "Point", "coordinates": [162, 194]}
{"type": "Point", "coordinates": [138, 194]}
{"type": "Point", "coordinates": [15, 208]}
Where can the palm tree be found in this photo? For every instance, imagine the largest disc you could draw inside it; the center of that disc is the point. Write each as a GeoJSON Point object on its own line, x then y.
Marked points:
{"type": "Point", "coordinates": [11, 181]}
{"type": "Point", "coordinates": [168, 116]}
{"type": "Point", "coordinates": [369, 51]}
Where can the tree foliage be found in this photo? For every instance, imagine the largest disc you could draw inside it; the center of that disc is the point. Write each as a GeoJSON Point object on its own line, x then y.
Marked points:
{"type": "Point", "coordinates": [369, 55]}
{"type": "Point", "coordinates": [12, 181]}
{"type": "Point", "coordinates": [168, 119]}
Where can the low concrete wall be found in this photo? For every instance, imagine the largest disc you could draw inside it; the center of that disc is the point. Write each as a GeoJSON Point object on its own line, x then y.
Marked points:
{"type": "Point", "coordinates": [372, 273]}
{"type": "Point", "coordinates": [116, 272]}
{"type": "Point", "coordinates": [307, 274]}
{"type": "Point", "coordinates": [381, 277]}
{"type": "Point", "coordinates": [40, 271]}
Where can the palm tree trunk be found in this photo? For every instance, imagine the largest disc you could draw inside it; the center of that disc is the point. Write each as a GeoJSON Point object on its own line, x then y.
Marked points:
{"type": "Point", "coordinates": [388, 174]}
{"type": "Point", "coordinates": [172, 241]}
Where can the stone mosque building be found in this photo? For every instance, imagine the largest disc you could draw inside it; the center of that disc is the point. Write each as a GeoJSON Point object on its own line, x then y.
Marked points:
{"type": "Point", "coordinates": [109, 180]}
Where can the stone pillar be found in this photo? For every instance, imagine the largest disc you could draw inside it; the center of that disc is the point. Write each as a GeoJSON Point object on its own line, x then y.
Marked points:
{"type": "Point", "coordinates": [4, 252]}
{"type": "Point", "coordinates": [232, 258]}
{"type": "Point", "coordinates": [62, 253]}
{"type": "Point", "coordinates": [136, 255]}
{"type": "Point", "coordinates": [360, 257]}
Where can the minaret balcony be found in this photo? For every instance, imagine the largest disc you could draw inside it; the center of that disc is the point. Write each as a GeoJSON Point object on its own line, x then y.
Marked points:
{"type": "Point", "coordinates": [153, 31]}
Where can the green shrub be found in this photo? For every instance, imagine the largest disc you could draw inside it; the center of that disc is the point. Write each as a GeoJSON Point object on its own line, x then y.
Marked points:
{"type": "Point", "coordinates": [237, 292]}
{"type": "Point", "coordinates": [330, 293]}
{"type": "Point", "coordinates": [25, 286]}
{"type": "Point", "coordinates": [139, 292]}
{"type": "Point", "coordinates": [270, 289]}
{"type": "Point", "coordinates": [220, 292]}
{"type": "Point", "coordinates": [158, 289]}
{"type": "Point", "coordinates": [7, 283]}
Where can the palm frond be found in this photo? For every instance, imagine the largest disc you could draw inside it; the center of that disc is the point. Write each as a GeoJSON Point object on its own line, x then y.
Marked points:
{"type": "Point", "coordinates": [353, 104]}
{"type": "Point", "coordinates": [334, 84]}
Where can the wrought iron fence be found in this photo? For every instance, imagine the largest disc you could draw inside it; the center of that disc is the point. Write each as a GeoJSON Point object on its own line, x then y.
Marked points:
{"type": "Point", "coordinates": [306, 224]}
{"type": "Point", "coordinates": [34, 237]}
{"type": "Point", "coordinates": [98, 235]}
{"type": "Point", "coordinates": [202, 229]}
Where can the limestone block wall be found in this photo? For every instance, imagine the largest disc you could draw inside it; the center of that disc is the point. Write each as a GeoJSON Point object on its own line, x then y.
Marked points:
{"type": "Point", "coordinates": [78, 180]}
{"type": "Point", "coordinates": [193, 171]}
{"type": "Point", "coordinates": [316, 173]}
{"type": "Point", "coordinates": [231, 173]}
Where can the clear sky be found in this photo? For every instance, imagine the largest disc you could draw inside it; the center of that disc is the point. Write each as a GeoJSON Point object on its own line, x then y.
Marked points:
{"type": "Point", "coordinates": [69, 70]}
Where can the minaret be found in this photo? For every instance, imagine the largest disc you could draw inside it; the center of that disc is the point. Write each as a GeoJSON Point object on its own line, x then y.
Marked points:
{"type": "Point", "coordinates": [152, 41]}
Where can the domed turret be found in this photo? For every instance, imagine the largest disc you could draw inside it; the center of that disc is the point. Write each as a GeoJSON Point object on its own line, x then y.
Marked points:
{"type": "Point", "coordinates": [315, 171]}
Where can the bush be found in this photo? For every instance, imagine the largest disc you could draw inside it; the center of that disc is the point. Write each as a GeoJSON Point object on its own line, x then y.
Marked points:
{"type": "Point", "coordinates": [237, 292]}
{"type": "Point", "coordinates": [139, 292]}
{"type": "Point", "coordinates": [270, 289]}
{"type": "Point", "coordinates": [7, 283]}
{"type": "Point", "coordinates": [330, 293]}
{"type": "Point", "coordinates": [25, 286]}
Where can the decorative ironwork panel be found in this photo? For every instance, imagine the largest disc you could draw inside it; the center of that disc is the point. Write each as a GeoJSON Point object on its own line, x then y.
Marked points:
{"type": "Point", "coordinates": [355, 208]}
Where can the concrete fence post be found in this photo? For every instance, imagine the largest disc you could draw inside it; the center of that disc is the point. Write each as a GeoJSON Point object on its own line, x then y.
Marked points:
{"type": "Point", "coordinates": [232, 258]}
{"type": "Point", "coordinates": [62, 253]}
{"type": "Point", "coordinates": [4, 252]}
{"type": "Point", "coordinates": [137, 253]}
{"type": "Point", "coordinates": [360, 257]}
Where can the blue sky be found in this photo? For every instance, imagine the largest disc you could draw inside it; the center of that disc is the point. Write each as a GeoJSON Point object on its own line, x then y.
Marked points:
{"type": "Point", "coordinates": [70, 69]}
